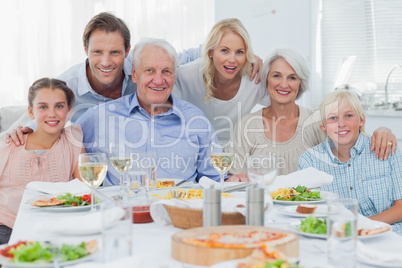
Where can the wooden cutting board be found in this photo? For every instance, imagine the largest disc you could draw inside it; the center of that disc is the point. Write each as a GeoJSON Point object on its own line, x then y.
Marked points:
{"type": "Point", "coordinates": [200, 255]}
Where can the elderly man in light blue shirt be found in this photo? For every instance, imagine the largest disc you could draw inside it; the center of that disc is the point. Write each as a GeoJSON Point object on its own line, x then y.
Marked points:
{"type": "Point", "coordinates": [153, 120]}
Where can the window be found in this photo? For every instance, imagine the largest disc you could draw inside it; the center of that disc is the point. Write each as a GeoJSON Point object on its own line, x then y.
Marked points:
{"type": "Point", "coordinates": [44, 37]}
{"type": "Point", "coordinates": [369, 29]}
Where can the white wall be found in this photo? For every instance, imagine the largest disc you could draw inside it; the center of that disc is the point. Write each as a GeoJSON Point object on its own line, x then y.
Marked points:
{"type": "Point", "coordinates": [272, 24]}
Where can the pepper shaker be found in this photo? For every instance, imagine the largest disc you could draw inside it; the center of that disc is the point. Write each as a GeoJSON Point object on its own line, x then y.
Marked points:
{"type": "Point", "coordinates": [255, 205]}
{"type": "Point", "coordinates": [212, 215]}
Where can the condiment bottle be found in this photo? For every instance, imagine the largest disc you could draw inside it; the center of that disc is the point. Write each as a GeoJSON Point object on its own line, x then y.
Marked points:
{"type": "Point", "coordinates": [212, 215]}
{"type": "Point", "coordinates": [255, 205]}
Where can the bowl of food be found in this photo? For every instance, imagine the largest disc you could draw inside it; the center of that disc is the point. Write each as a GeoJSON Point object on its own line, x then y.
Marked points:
{"type": "Point", "coordinates": [141, 210]}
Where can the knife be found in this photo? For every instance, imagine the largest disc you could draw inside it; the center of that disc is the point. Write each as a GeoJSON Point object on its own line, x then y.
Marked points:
{"type": "Point", "coordinates": [236, 187]}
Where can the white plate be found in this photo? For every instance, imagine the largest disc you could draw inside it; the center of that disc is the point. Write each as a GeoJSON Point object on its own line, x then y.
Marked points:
{"type": "Point", "coordinates": [7, 263]}
{"type": "Point", "coordinates": [369, 224]}
{"type": "Point", "coordinates": [227, 264]}
{"type": "Point", "coordinates": [294, 228]}
{"type": "Point", "coordinates": [324, 196]}
{"type": "Point", "coordinates": [321, 211]}
{"type": "Point", "coordinates": [60, 208]}
{"type": "Point", "coordinates": [376, 263]}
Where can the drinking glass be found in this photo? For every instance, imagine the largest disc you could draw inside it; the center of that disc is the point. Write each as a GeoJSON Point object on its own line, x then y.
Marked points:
{"type": "Point", "coordinates": [222, 157]}
{"type": "Point", "coordinates": [137, 178]}
{"type": "Point", "coordinates": [117, 221]}
{"type": "Point", "coordinates": [342, 232]}
{"type": "Point", "coordinates": [261, 169]}
{"type": "Point", "coordinates": [93, 169]}
{"type": "Point", "coordinates": [146, 162]}
{"type": "Point", "coordinates": [120, 157]}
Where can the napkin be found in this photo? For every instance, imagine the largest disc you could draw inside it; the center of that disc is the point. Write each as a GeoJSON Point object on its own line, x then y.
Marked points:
{"type": "Point", "coordinates": [79, 224]}
{"type": "Point", "coordinates": [228, 205]}
{"type": "Point", "coordinates": [128, 262]}
{"type": "Point", "coordinates": [309, 177]}
{"type": "Point", "coordinates": [375, 255]}
{"type": "Point", "coordinates": [206, 183]}
{"type": "Point", "coordinates": [74, 187]}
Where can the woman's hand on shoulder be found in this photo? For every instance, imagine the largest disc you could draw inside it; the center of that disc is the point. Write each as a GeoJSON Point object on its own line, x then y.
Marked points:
{"type": "Point", "coordinates": [242, 177]}
{"type": "Point", "coordinates": [383, 142]}
{"type": "Point", "coordinates": [255, 69]}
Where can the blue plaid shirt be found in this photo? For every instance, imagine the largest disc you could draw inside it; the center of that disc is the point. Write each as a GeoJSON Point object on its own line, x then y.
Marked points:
{"type": "Point", "coordinates": [374, 183]}
{"type": "Point", "coordinates": [180, 137]}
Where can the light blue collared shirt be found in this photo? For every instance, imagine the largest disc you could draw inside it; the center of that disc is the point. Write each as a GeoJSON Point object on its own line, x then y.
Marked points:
{"type": "Point", "coordinates": [180, 137]}
{"type": "Point", "coordinates": [375, 184]}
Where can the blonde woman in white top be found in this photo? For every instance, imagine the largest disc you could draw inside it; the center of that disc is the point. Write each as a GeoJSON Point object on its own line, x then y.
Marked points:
{"type": "Point", "coordinates": [219, 83]}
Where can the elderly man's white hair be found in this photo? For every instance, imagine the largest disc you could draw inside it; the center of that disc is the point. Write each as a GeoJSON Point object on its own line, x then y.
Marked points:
{"type": "Point", "coordinates": [155, 42]}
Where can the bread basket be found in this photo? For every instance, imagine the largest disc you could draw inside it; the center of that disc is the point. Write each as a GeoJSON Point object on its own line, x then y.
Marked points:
{"type": "Point", "coordinates": [187, 218]}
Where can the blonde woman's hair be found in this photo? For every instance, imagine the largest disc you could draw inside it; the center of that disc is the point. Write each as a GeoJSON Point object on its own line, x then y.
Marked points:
{"type": "Point", "coordinates": [212, 41]}
{"type": "Point", "coordinates": [337, 100]}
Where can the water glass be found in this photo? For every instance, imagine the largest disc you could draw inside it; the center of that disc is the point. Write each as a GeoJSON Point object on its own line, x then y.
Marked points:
{"type": "Point", "coordinates": [117, 219]}
{"type": "Point", "coordinates": [137, 179]}
{"type": "Point", "coordinates": [146, 161]}
{"type": "Point", "coordinates": [342, 232]}
{"type": "Point", "coordinates": [261, 169]}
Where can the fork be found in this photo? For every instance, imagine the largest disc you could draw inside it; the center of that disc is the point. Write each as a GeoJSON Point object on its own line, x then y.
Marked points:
{"type": "Point", "coordinates": [177, 194]}
{"type": "Point", "coordinates": [305, 198]}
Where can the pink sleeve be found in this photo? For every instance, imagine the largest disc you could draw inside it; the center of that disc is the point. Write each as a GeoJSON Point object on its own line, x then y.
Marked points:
{"type": "Point", "coordinates": [5, 150]}
{"type": "Point", "coordinates": [74, 136]}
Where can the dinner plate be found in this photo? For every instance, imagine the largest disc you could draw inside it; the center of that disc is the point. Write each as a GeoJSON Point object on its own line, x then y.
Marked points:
{"type": "Point", "coordinates": [60, 208]}
{"type": "Point", "coordinates": [321, 211]}
{"type": "Point", "coordinates": [324, 197]}
{"type": "Point", "coordinates": [294, 228]}
{"type": "Point", "coordinates": [7, 263]}
{"type": "Point", "coordinates": [227, 264]}
{"type": "Point", "coordinates": [377, 263]}
{"type": "Point", "coordinates": [360, 225]}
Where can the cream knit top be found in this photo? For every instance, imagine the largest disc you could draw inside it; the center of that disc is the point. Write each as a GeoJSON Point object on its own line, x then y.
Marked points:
{"type": "Point", "coordinates": [249, 139]}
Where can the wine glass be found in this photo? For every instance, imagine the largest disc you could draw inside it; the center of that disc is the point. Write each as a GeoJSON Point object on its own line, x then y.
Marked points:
{"type": "Point", "coordinates": [120, 157]}
{"type": "Point", "coordinates": [222, 157]}
{"type": "Point", "coordinates": [261, 169]}
{"type": "Point", "coordinates": [93, 169]}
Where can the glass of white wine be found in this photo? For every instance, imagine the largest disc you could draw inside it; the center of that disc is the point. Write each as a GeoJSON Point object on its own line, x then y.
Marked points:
{"type": "Point", "coordinates": [93, 169]}
{"type": "Point", "coordinates": [120, 157]}
{"type": "Point", "coordinates": [222, 157]}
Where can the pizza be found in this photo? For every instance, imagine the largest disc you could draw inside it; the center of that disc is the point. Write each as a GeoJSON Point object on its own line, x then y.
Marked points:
{"type": "Point", "coordinates": [252, 239]}
{"type": "Point", "coordinates": [46, 202]}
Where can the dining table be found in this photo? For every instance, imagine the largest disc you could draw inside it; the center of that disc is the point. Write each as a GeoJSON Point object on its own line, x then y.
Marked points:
{"type": "Point", "coordinates": [152, 242]}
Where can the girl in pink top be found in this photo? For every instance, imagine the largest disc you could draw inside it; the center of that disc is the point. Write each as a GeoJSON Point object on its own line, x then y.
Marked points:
{"type": "Point", "coordinates": [50, 153]}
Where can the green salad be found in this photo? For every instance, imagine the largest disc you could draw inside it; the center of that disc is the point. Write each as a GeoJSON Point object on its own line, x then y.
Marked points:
{"type": "Point", "coordinates": [313, 225]}
{"type": "Point", "coordinates": [300, 193]}
{"type": "Point", "coordinates": [38, 253]}
{"type": "Point", "coordinates": [76, 200]}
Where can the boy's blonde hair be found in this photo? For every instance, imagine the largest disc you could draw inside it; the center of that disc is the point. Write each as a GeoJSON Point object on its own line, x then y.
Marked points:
{"type": "Point", "coordinates": [337, 100]}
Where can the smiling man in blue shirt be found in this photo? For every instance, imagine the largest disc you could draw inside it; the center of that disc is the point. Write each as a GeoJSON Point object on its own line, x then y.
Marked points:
{"type": "Point", "coordinates": [153, 120]}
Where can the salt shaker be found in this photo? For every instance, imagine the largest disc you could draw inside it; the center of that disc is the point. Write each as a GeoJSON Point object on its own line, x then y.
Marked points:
{"type": "Point", "coordinates": [212, 215]}
{"type": "Point", "coordinates": [255, 205]}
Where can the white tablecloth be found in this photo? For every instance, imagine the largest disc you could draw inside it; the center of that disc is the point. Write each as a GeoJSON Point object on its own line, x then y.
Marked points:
{"type": "Point", "coordinates": [152, 243]}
